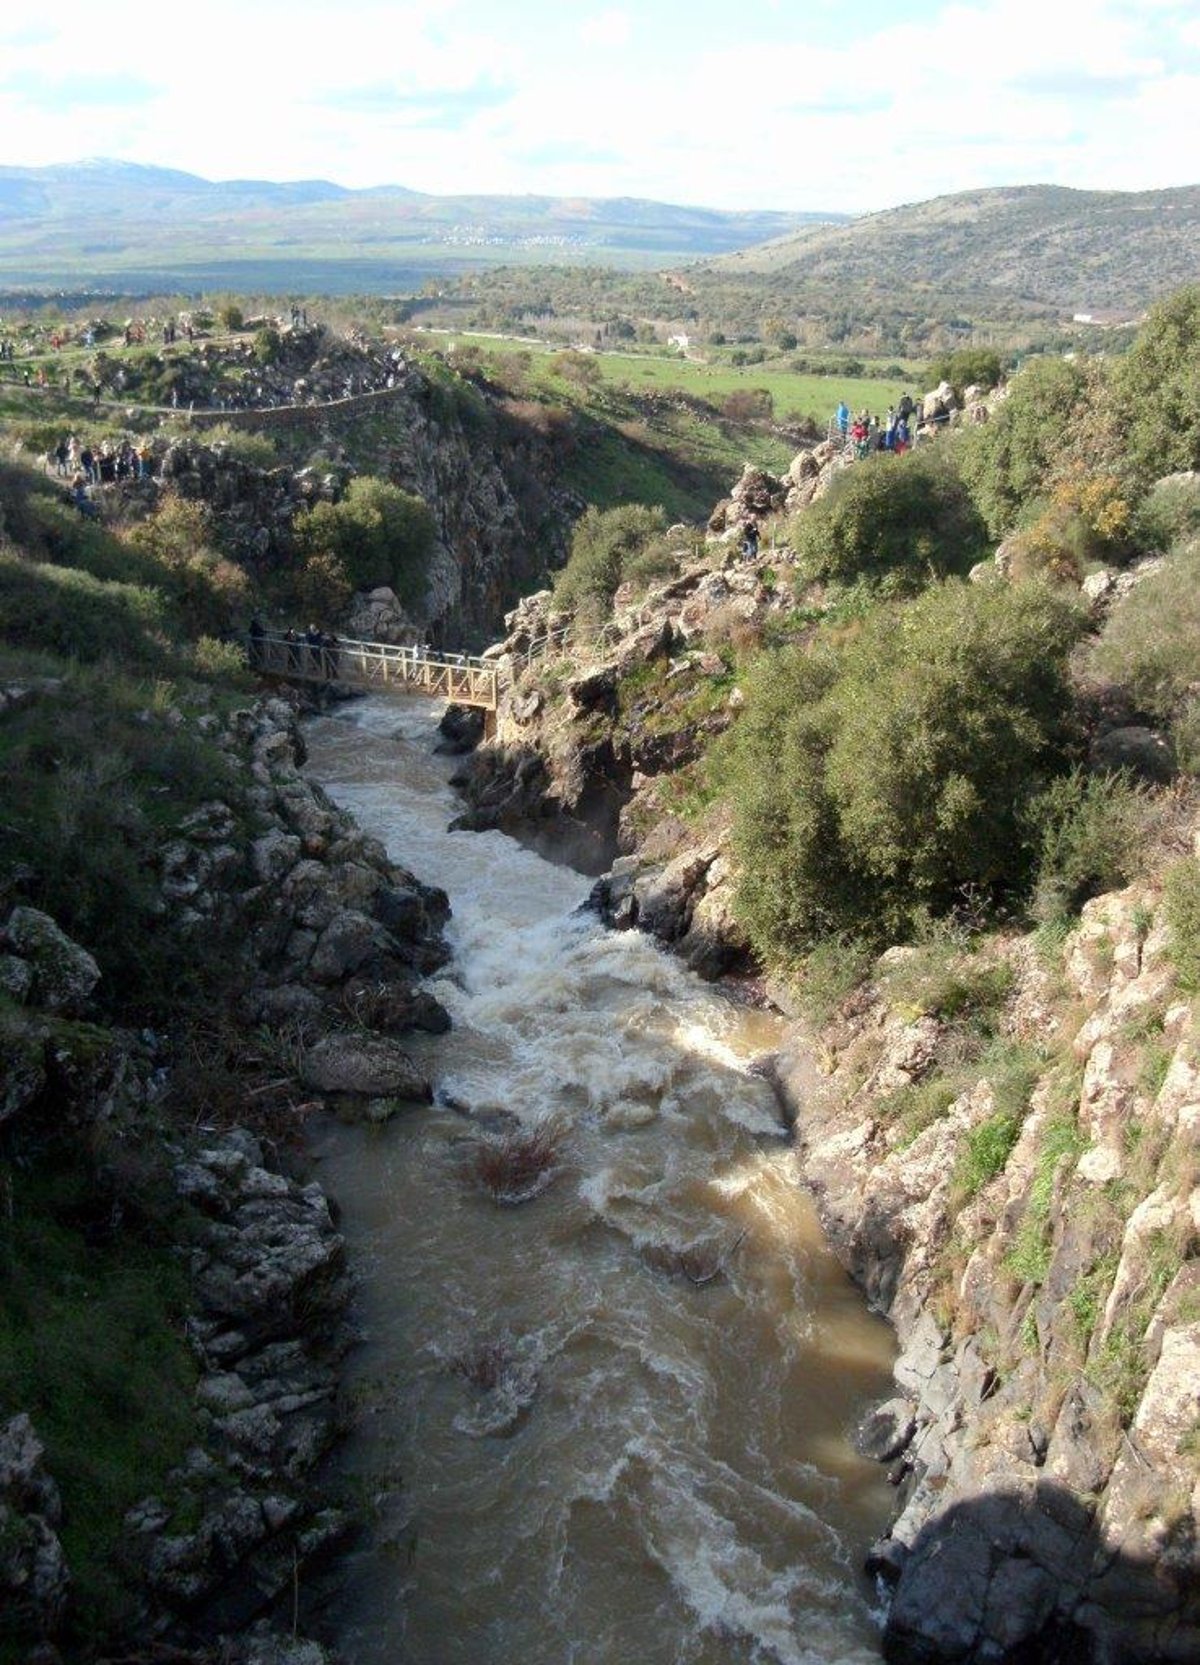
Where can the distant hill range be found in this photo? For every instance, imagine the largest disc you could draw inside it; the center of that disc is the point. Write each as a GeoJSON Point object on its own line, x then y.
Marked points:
{"type": "Point", "coordinates": [105, 223]}
{"type": "Point", "coordinates": [1093, 252]}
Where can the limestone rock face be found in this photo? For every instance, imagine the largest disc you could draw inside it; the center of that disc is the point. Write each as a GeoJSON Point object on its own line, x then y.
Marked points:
{"type": "Point", "coordinates": [1032, 1523]}
{"type": "Point", "coordinates": [64, 974]}
{"type": "Point", "coordinates": [366, 1066]}
{"type": "Point", "coordinates": [34, 1580]}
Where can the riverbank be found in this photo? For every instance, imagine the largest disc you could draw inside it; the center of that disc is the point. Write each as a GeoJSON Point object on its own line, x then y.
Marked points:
{"type": "Point", "coordinates": [998, 1122]}
{"type": "Point", "coordinates": [173, 1299]}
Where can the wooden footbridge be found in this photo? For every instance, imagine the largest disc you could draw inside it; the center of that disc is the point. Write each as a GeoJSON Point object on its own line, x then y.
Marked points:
{"type": "Point", "coordinates": [379, 666]}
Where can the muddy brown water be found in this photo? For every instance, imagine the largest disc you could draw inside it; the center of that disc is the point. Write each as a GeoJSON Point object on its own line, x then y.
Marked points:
{"type": "Point", "coordinates": [611, 1425]}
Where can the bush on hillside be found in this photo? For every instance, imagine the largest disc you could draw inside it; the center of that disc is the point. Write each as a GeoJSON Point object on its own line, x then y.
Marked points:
{"type": "Point", "coordinates": [268, 345]}
{"type": "Point", "coordinates": [243, 445]}
{"type": "Point", "coordinates": [905, 516]}
{"type": "Point", "coordinates": [604, 544]}
{"type": "Point", "coordinates": [1182, 906]}
{"type": "Point", "coordinates": [1150, 643]}
{"type": "Point", "coordinates": [320, 588]}
{"type": "Point", "coordinates": [210, 591]}
{"type": "Point", "coordinates": [883, 775]}
{"type": "Point", "coordinates": [1085, 520]}
{"type": "Point", "coordinates": [36, 516]}
{"type": "Point", "coordinates": [1157, 386]}
{"type": "Point", "coordinates": [1008, 461]}
{"type": "Point", "coordinates": [968, 367]}
{"type": "Point", "coordinates": [1086, 831]}
{"type": "Point", "coordinates": [1169, 513]}
{"type": "Point", "coordinates": [93, 784]}
{"type": "Point", "coordinates": [379, 534]}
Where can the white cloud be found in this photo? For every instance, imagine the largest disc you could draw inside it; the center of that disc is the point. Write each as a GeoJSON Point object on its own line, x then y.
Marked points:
{"type": "Point", "coordinates": [783, 110]}
{"type": "Point", "coordinates": [610, 29]}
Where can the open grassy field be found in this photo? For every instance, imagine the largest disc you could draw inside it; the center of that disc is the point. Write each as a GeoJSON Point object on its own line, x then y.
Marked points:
{"type": "Point", "coordinates": [795, 397]}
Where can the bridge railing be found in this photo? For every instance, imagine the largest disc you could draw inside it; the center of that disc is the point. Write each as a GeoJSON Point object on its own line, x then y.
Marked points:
{"type": "Point", "coordinates": [458, 677]}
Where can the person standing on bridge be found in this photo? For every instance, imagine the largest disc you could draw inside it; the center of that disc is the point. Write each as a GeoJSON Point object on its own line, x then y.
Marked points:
{"type": "Point", "coordinates": [256, 634]}
{"type": "Point", "coordinates": [315, 642]}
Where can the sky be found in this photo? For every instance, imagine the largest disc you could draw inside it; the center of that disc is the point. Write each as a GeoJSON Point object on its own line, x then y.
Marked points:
{"type": "Point", "coordinates": [843, 105]}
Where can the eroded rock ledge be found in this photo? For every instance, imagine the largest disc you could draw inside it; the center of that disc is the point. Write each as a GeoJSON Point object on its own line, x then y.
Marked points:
{"type": "Point", "coordinates": [1044, 1439]}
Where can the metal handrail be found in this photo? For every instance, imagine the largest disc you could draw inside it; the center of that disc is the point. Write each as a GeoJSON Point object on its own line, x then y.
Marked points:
{"type": "Point", "coordinates": [460, 678]}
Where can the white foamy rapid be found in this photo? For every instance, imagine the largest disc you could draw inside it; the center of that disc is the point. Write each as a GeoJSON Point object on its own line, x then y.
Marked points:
{"type": "Point", "coordinates": [608, 1426]}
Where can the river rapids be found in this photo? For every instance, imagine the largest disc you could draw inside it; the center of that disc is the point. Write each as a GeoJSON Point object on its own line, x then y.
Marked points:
{"type": "Point", "coordinates": [611, 1425]}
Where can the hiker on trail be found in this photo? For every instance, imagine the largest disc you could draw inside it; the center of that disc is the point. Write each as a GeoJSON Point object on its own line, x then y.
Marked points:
{"type": "Point", "coordinates": [62, 452]}
{"type": "Point", "coordinates": [750, 540]}
{"type": "Point", "coordinates": [905, 408]}
{"type": "Point", "coordinates": [902, 440]}
{"type": "Point", "coordinates": [843, 418]}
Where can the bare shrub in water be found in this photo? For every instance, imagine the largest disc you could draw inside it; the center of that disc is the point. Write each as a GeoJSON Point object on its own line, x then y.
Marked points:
{"type": "Point", "coordinates": [516, 1167]}
{"type": "Point", "coordinates": [485, 1364]}
{"type": "Point", "coordinates": [699, 1263]}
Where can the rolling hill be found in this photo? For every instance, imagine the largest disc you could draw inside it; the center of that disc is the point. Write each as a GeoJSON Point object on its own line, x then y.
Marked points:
{"type": "Point", "coordinates": [104, 222]}
{"type": "Point", "coordinates": [1079, 251]}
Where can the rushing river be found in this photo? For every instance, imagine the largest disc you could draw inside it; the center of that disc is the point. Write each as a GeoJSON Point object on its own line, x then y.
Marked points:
{"type": "Point", "coordinates": [609, 1426]}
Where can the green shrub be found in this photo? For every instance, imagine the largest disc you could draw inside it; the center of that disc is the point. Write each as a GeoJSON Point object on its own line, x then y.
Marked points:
{"type": "Point", "coordinates": [243, 445]}
{"type": "Point", "coordinates": [1007, 462]}
{"type": "Point", "coordinates": [881, 775]}
{"type": "Point", "coordinates": [210, 592]}
{"type": "Point", "coordinates": [1169, 513]}
{"type": "Point", "coordinates": [1061, 1140]}
{"type": "Point", "coordinates": [968, 367]}
{"type": "Point", "coordinates": [1182, 904]}
{"type": "Point", "coordinates": [830, 972]}
{"type": "Point", "coordinates": [1157, 386]}
{"type": "Point", "coordinates": [93, 782]}
{"type": "Point", "coordinates": [1087, 831]}
{"type": "Point", "coordinates": [604, 544]}
{"type": "Point", "coordinates": [653, 564]}
{"type": "Point", "coordinates": [268, 345]}
{"type": "Point", "coordinates": [378, 533]}
{"type": "Point", "coordinates": [1150, 644]}
{"type": "Point", "coordinates": [219, 661]}
{"type": "Point", "coordinates": [907, 516]}
{"type": "Point", "coordinates": [938, 981]}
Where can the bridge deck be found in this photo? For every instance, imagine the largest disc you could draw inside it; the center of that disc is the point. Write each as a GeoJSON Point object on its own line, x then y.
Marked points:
{"type": "Point", "coordinates": [380, 665]}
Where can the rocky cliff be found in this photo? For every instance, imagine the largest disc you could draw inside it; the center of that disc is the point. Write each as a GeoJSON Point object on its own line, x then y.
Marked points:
{"type": "Point", "coordinates": [335, 407]}
{"type": "Point", "coordinates": [1001, 1132]}
{"type": "Point", "coordinates": [333, 940]}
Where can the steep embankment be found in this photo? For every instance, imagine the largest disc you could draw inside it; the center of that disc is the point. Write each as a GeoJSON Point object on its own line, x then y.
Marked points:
{"type": "Point", "coordinates": [334, 408]}
{"type": "Point", "coordinates": [171, 1300]}
{"type": "Point", "coordinates": [1000, 1128]}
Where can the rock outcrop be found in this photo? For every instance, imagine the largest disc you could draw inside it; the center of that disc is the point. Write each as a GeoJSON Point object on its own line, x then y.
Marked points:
{"type": "Point", "coordinates": [1045, 1303]}
{"type": "Point", "coordinates": [329, 939]}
